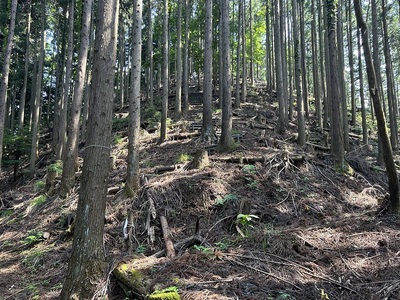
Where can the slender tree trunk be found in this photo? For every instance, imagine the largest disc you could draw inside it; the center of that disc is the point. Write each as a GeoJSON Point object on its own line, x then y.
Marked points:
{"type": "Point", "coordinates": [21, 112]}
{"type": "Point", "coordinates": [207, 129]}
{"type": "Point", "coordinates": [133, 176]}
{"type": "Point", "coordinates": [268, 46]}
{"type": "Point", "coordinates": [178, 95]}
{"type": "Point", "coordinates": [67, 84]}
{"type": "Point", "coordinates": [238, 46]}
{"type": "Point", "coordinates": [303, 61]}
{"type": "Point", "coordinates": [351, 64]}
{"type": "Point", "coordinates": [243, 95]}
{"type": "Point", "coordinates": [165, 75]}
{"type": "Point", "coordinates": [226, 140]}
{"type": "Point", "coordinates": [301, 138]}
{"type": "Point", "coordinates": [71, 153]}
{"type": "Point", "coordinates": [389, 81]}
{"type": "Point", "coordinates": [337, 145]}
{"type": "Point", "coordinates": [361, 84]}
{"type": "Point", "coordinates": [380, 117]}
{"type": "Point", "coordinates": [342, 90]}
{"type": "Point", "coordinates": [38, 96]}
{"type": "Point", "coordinates": [150, 54]}
{"type": "Point", "coordinates": [278, 68]}
{"type": "Point", "coordinates": [251, 44]}
{"type": "Point", "coordinates": [5, 74]}
{"type": "Point", "coordinates": [314, 50]}
{"type": "Point", "coordinates": [186, 58]}
{"type": "Point", "coordinates": [87, 266]}
{"type": "Point", "coordinates": [285, 88]}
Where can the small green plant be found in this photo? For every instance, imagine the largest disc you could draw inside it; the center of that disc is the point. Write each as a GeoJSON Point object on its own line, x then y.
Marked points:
{"type": "Point", "coordinates": [33, 238]}
{"type": "Point", "coordinates": [55, 167]}
{"type": "Point", "coordinates": [39, 185]}
{"type": "Point", "coordinates": [223, 246]}
{"type": "Point", "coordinates": [203, 249]}
{"type": "Point", "coordinates": [222, 200]}
{"type": "Point", "coordinates": [6, 213]}
{"type": "Point", "coordinates": [249, 169]}
{"type": "Point", "coordinates": [117, 139]}
{"type": "Point", "coordinates": [35, 204]}
{"type": "Point", "coordinates": [183, 157]}
{"type": "Point", "coordinates": [245, 221]}
{"type": "Point", "coordinates": [251, 182]}
{"type": "Point", "coordinates": [140, 249]}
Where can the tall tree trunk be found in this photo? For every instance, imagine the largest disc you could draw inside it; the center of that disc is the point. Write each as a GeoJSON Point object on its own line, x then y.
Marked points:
{"type": "Point", "coordinates": [87, 266]}
{"type": "Point", "coordinates": [165, 75]}
{"type": "Point", "coordinates": [251, 44]}
{"type": "Point", "coordinates": [342, 87]}
{"type": "Point", "coordinates": [285, 88]}
{"type": "Point", "coordinates": [314, 50]}
{"type": "Point", "coordinates": [67, 82]}
{"type": "Point", "coordinates": [22, 101]}
{"type": "Point", "coordinates": [186, 58]}
{"type": "Point", "coordinates": [301, 138]}
{"type": "Point", "coordinates": [207, 129]}
{"type": "Point", "coordinates": [351, 64]}
{"type": "Point", "coordinates": [59, 76]}
{"type": "Point", "coordinates": [380, 117]}
{"type": "Point", "coordinates": [238, 46]}
{"type": "Point", "coordinates": [38, 95]}
{"type": "Point", "coordinates": [268, 46]}
{"type": "Point", "coordinates": [71, 153]}
{"type": "Point", "coordinates": [133, 176]}
{"type": "Point", "coordinates": [150, 54]}
{"type": "Point", "coordinates": [322, 64]}
{"type": "Point", "coordinates": [303, 61]}
{"type": "Point", "coordinates": [278, 68]}
{"type": "Point", "coordinates": [337, 145]}
{"type": "Point", "coordinates": [226, 140]}
{"type": "Point", "coordinates": [5, 74]}
{"type": "Point", "coordinates": [178, 92]}
{"type": "Point", "coordinates": [389, 81]}
{"type": "Point", "coordinates": [243, 95]}
{"type": "Point", "coordinates": [361, 84]}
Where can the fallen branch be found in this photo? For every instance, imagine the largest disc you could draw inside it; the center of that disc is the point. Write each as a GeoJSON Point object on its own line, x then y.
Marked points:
{"type": "Point", "coordinates": [169, 246]}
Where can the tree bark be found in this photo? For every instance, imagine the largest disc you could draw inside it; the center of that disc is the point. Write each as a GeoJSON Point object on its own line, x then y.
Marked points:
{"type": "Point", "coordinates": [226, 140]}
{"type": "Point", "coordinates": [87, 265]}
{"type": "Point", "coordinates": [38, 94]}
{"type": "Point", "coordinates": [380, 117]}
{"type": "Point", "coordinates": [22, 101]}
{"type": "Point", "coordinates": [165, 75]}
{"type": "Point", "coordinates": [178, 91]}
{"type": "Point", "coordinates": [207, 129]}
{"type": "Point", "coordinates": [71, 153]}
{"type": "Point", "coordinates": [67, 82]}
{"type": "Point", "coordinates": [5, 74]}
{"type": "Point", "coordinates": [133, 176]}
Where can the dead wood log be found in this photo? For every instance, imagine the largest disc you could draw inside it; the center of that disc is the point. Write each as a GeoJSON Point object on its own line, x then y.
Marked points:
{"type": "Point", "coordinates": [294, 158]}
{"type": "Point", "coordinates": [169, 246]}
{"type": "Point", "coordinates": [161, 170]}
{"type": "Point", "coordinates": [113, 190]}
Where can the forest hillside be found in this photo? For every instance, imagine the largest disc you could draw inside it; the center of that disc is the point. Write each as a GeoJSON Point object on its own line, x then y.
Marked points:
{"type": "Point", "coordinates": [267, 220]}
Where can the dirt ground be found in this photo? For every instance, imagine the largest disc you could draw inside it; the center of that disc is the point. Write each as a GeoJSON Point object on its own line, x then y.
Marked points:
{"type": "Point", "coordinates": [276, 220]}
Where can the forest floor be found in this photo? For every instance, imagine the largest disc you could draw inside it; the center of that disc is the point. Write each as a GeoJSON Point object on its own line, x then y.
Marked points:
{"type": "Point", "coordinates": [276, 220]}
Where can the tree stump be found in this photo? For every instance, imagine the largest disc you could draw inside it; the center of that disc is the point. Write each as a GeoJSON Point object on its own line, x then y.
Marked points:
{"type": "Point", "coordinates": [200, 160]}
